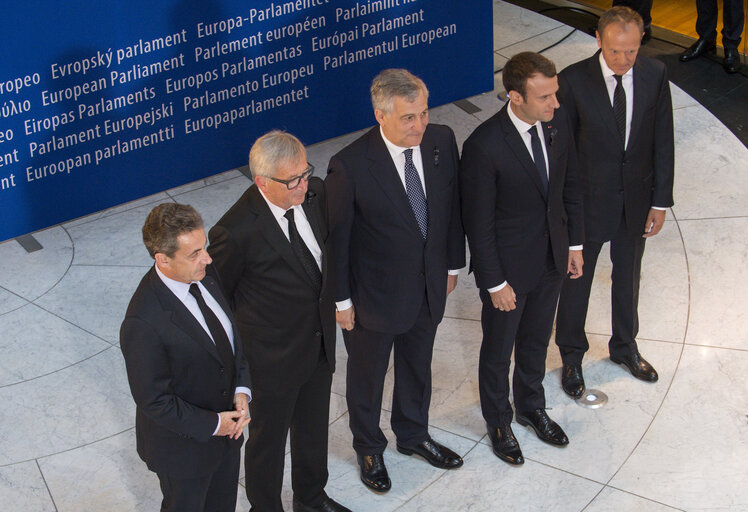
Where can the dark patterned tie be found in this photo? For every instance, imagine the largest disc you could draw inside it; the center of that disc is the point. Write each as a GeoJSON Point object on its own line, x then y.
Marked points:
{"type": "Point", "coordinates": [619, 107]}
{"type": "Point", "coordinates": [539, 157]}
{"type": "Point", "coordinates": [414, 189]}
{"type": "Point", "coordinates": [302, 252]}
{"type": "Point", "coordinates": [216, 331]}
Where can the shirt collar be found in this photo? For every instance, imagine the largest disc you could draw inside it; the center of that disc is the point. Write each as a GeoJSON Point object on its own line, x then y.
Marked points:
{"type": "Point", "coordinates": [277, 211]}
{"type": "Point", "coordinates": [394, 149]}
{"type": "Point", "coordinates": [609, 72]}
{"type": "Point", "coordinates": [522, 127]}
{"type": "Point", "coordinates": [178, 288]}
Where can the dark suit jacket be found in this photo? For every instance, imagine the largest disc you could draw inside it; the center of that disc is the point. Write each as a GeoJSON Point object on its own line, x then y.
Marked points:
{"type": "Point", "coordinates": [381, 260]}
{"type": "Point", "coordinates": [508, 219]}
{"type": "Point", "coordinates": [644, 171]}
{"type": "Point", "coordinates": [279, 315]}
{"type": "Point", "coordinates": [177, 380]}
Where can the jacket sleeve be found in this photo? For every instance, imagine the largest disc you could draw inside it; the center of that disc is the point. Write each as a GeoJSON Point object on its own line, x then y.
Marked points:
{"type": "Point", "coordinates": [340, 192]}
{"type": "Point", "coordinates": [664, 152]}
{"type": "Point", "coordinates": [456, 234]}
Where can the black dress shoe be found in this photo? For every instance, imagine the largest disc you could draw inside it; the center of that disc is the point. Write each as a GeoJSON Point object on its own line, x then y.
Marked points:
{"type": "Point", "coordinates": [505, 445]}
{"type": "Point", "coordinates": [435, 454]}
{"type": "Point", "coordinates": [731, 60]}
{"type": "Point", "coordinates": [638, 366]}
{"type": "Point", "coordinates": [374, 472]}
{"type": "Point", "coordinates": [546, 429]}
{"type": "Point", "coordinates": [697, 49]}
{"type": "Point", "coordinates": [329, 505]}
{"type": "Point", "coordinates": [572, 380]}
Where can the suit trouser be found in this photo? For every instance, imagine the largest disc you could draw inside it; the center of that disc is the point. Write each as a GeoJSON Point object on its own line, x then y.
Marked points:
{"type": "Point", "coordinates": [304, 411]}
{"type": "Point", "coordinates": [368, 358]}
{"type": "Point", "coordinates": [527, 330]}
{"type": "Point", "coordinates": [213, 493]}
{"type": "Point", "coordinates": [626, 253]}
{"type": "Point", "coordinates": [732, 16]}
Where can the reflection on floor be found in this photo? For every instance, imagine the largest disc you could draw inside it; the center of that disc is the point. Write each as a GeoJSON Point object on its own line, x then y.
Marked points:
{"type": "Point", "coordinates": [67, 440]}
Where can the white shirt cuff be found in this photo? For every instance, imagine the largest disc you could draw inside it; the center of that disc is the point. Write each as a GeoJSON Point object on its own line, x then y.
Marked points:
{"type": "Point", "coordinates": [344, 304]}
{"type": "Point", "coordinates": [576, 247]}
{"type": "Point", "coordinates": [496, 288]}
{"type": "Point", "coordinates": [658, 208]}
{"type": "Point", "coordinates": [453, 272]}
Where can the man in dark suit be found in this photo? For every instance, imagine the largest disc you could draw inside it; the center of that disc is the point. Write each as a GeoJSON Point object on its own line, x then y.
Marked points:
{"type": "Point", "coordinates": [733, 17]}
{"type": "Point", "coordinates": [187, 373]}
{"type": "Point", "coordinates": [620, 108]}
{"type": "Point", "coordinates": [396, 233]}
{"type": "Point", "coordinates": [271, 252]}
{"type": "Point", "coordinates": [522, 212]}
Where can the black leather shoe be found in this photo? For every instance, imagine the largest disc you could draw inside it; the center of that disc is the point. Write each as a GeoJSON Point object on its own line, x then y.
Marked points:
{"type": "Point", "coordinates": [435, 454]}
{"type": "Point", "coordinates": [329, 505]}
{"type": "Point", "coordinates": [638, 366]}
{"type": "Point", "coordinates": [546, 429]}
{"type": "Point", "coordinates": [572, 380]}
{"type": "Point", "coordinates": [697, 49]}
{"type": "Point", "coordinates": [374, 472]}
{"type": "Point", "coordinates": [731, 60]}
{"type": "Point", "coordinates": [505, 445]}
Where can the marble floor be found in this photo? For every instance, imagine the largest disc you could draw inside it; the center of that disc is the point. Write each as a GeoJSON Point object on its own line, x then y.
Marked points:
{"type": "Point", "coordinates": [67, 440]}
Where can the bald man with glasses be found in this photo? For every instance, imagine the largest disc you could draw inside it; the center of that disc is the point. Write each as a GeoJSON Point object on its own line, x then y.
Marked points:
{"type": "Point", "coordinates": [271, 253]}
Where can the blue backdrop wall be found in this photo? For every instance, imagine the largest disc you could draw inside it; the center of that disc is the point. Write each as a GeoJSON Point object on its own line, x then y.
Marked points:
{"type": "Point", "coordinates": [104, 102]}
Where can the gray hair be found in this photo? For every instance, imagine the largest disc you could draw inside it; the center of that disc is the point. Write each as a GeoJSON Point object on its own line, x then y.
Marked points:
{"type": "Point", "coordinates": [271, 150]}
{"type": "Point", "coordinates": [165, 223]}
{"type": "Point", "coordinates": [395, 82]}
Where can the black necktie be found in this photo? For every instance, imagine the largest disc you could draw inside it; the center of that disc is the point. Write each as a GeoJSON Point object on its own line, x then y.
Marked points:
{"type": "Point", "coordinates": [302, 252]}
{"type": "Point", "coordinates": [619, 107]}
{"type": "Point", "coordinates": [216, 331]}
{"type": "Point", "coordinates": [414, 189]}
{"type": "Point", "coordinates": [537, 154]}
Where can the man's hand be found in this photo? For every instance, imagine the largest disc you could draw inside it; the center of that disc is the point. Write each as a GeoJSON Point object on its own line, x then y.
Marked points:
{"type": "Point", "coordinates": [345, 318]}
{"type": "Point", "coordinates": [451, 283]}
{"type": "Point", "coordinates": [505, 299]}
{"type": "Point", "coordinates": [654, 223]}
{"type": "Point", "coordinates": [241, 405]}
{"type": "Point", "coordinates": [575, 264]}
{"type": "Point", "coordinates": [229, 421]}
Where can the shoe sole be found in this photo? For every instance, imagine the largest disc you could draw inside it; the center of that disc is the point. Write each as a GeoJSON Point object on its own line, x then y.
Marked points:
{"type": "Point", "coordinates": [406, 451]}
{"type": "Point", "coordinates": [375, 489]}
{"type": "Point", "coordinates": [527, 423]}
{"type": "Point", "coordinates": [507, 460]}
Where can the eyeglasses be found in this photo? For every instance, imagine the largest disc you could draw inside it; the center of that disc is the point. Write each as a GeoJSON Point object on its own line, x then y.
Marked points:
{"type": "Point", "coordinates": [296, 180]}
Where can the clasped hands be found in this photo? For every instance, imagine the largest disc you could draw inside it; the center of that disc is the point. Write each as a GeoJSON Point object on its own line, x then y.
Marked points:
{"type": "Point", "coordinates": [233, 422]}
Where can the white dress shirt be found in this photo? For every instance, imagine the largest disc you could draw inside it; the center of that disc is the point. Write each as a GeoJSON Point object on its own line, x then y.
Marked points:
{"type": "Point", "coordinates": [182, 292]}
{"type": "Point", "coordinates": [397, 154]}
{"type": "Point", "coordinates": [523, 130]}
{"type": "Point", "coordinates": [302, 226]}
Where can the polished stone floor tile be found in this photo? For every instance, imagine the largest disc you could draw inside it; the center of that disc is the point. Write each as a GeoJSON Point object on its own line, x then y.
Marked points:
{"type": "Point", "coordinates": [66, 409]}
{"type": "Point", "coordinates": [10, 301]}
{"type": "Point", "coordinates": [694, 454]}
{"type": "Point", "coordinates": [113, 240]}
{"type": "Point", "coordinates": [213, 201]}
{"type": "Point", "coordinates": [104, 475]}
{"type": "Point", "coordinates": [22, 489]}
{"type": "Point", "coordinates": [35, 343]}
{"type": "Point", "coordinates": [613, 500]}
{"type": "Point", "coordinates": [486, 483]}
{"type": "Point", "coordinates": [513, 23]}
{"type": "Point", "coordinates": [152, 200]}
{"type": "Point", "coordinates": [717, 256]}
{"type": "Point", "coordinates": [42, 269]}
{"type": "Point", "coordinates": [600, 440]}
{"type": "Point", "coordinates": [710, 164]}
{"type": "Point", "coordinates": [94, 298]}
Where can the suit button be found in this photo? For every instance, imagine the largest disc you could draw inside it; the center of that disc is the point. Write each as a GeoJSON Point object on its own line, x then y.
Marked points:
{"type": "Point", "coordinates": [224, 393]}
{"type": "Point", "coordinates": [222, 369]}
{"type": "Point", "coordinates": [317, 333]}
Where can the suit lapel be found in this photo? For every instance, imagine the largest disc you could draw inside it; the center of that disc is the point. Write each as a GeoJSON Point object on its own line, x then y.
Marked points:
{"type": "Point", "coordinates": [313, 216]}
{"type": "Point", "coordinates": [429, 150]}
{"type": "Point", "coordinates": [382, 168]}
{"type": "Point", "coordinates": [182, 318]}
{"type": "Point", "coordinates": [599, 95]}
{"type": "Point", "coordinates": [272, 232]}
{"type": "Point", "coordinates": [517, 145]}
{"type": "Point", "coordinates": [550, 133]}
